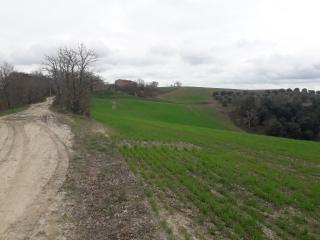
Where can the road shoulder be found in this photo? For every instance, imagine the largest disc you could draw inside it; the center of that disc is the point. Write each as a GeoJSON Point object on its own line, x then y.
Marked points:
{"type": "Point", "coordinates": [107, 199]}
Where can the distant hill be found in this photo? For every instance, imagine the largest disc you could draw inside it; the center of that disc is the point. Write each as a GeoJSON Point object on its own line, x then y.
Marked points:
{"type": "Point", "coordinates": [201, 98]}
{"type": "Point", "coordinates": [187, 94]}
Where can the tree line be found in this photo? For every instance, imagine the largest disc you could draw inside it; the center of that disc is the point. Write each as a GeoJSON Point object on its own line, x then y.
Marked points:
{"type": "Point", "coordinates": [138, 88]}
{"type": "Point", "coordinates": [18, 88]}
{"type": "Point", "coordinates": [291, 113]}
{"type": "Point", "coordinates": [68, 75]}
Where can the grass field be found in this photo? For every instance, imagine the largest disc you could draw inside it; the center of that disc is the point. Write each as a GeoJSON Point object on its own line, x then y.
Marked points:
{"type": "Point", "coordinates": [187, 94]}
{"type": "Point", "coordinates": [207, 180]}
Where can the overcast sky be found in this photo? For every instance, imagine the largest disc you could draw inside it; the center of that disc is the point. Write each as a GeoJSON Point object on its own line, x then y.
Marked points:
{"type": "Point", "coordinates": [216, 43]}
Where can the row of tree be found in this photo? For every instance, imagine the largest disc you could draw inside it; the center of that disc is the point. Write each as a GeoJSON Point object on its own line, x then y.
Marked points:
{"type": "Point", "coordinates": [286, 113]}
{"type": "Point", "coordinates": [145, 89]}
{"type": "Point", "coordinates": [17, 88]}
{"type": "Point", "coordinates": [138, 88]}
{"type": "Point", "coordinates": [67, 74]}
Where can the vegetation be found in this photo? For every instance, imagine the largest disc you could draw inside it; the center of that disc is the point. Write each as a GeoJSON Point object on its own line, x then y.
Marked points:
{"type": "Point", "coordinates": [72, 78]}
{"type": "Point", "coordinates": [187, 94]}
{"type": "Point", "coordinates": [105, 206]}
{"type": "Point", "coordinates": [18, 89]}
{"type": "Point", "coordinates": [286, 113]}
{"type": "Point", "coordinates": [129, 115]}
{"type": "Point", "coordinates": [11, 111]}
{"type": "Point", "coordinates": [69, 78]}
{"type": "Point", "coordinates": [138, 88]}
{"type": "Point", "coordinates": [204, 180]}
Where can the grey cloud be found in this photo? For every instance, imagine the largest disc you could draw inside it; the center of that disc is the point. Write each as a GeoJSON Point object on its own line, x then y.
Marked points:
{"type": "Point", "coordinates": [166, 40]}
{"type": "Point", "coordinates": [30, 55]}
{"type": "Point", "coordinates": [278, 70]}
{"type": "Point", "coordinates": [163, 50]}
{"type": "Point", "coordinates": [253, 44]}
{"type": "Point", "coordinates": [135, 60]}
{"type": "Point", "coordinates": [304, 73]}
{"type": "Point", "coordinates": [194, 58]}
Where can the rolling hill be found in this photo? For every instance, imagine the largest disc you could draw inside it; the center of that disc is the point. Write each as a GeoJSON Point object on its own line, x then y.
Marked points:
{"type": "Point", "coordinates": [205, 178]}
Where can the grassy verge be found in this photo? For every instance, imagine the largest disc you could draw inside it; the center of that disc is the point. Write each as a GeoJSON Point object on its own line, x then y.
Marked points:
{"type": "Point", "coordinates": [12, 110]}
{"type": "Point", "coordinates": [107, 200]}
{"type": "Point", "coordinates": [205, 181]}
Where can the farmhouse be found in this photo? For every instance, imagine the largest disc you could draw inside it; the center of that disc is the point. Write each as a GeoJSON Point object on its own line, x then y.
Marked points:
{"type": "Point", "coordinates": [122, 83]}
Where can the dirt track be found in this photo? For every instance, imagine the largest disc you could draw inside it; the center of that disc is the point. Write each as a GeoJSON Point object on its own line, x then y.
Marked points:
{"type": "Point", "coordinates": [33, 164]}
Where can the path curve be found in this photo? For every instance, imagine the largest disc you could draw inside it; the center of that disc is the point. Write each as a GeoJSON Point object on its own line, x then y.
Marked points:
{"type": "Point", "coordinates": [34, 154]}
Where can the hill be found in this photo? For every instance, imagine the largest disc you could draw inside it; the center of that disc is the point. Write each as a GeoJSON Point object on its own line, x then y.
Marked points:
{"type": "Point", "coordinates": [187, 94]}
{"type": "Point", "coordinates": [204, 178]}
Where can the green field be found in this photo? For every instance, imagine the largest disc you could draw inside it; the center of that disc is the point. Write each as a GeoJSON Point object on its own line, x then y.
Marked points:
{"type": "Point", "coordinates": [187, 94]}
{"type": "Point", "coordinates": [205, 178]}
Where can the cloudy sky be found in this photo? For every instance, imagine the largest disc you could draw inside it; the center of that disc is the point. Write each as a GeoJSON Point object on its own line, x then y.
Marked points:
{"type": "Point", "coordinates": [216, 43]}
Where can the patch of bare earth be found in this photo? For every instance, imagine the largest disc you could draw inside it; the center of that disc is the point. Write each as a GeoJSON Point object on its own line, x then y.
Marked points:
{"type": "Point", "coordinates": [108, 202]}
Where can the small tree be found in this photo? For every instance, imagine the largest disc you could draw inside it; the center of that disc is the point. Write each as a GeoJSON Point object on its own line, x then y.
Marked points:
{"type": "Point", "coordinates": [177, 84]}
{"type": "Point", "coordinates": [251, 118]}
{"type": "Point", "coordinates": [141, 84]}
{"type": "Point", "coordinates": [154, 84]}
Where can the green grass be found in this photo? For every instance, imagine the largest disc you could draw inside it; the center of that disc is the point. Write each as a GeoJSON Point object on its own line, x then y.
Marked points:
{"type": "Point", "coordinates": [237, 184]}
{"type": "Point", "coordinates": [188, 94]}
{"type": "Point", "coordinates": [136, 114]}
{"type": "Point", "coordinates": [12, 110]}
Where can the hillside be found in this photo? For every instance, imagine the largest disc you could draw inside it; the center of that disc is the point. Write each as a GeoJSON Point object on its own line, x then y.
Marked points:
{"type": "Point", "coordinates": [187, 94]}
{"type": "Point", "coordinates": [200, 98]}
{"type": "Point", "coordinates": [157, 114]}
{"type": "Point", "coordinates": [204, 178]}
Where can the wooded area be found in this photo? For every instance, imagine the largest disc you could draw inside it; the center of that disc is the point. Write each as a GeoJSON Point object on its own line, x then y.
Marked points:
{"type": "Point", "coordinates": [291, 113]}
{"type": "Point", "coordinates": [68, 76]}
{"type": "Point", "coordinates": [18, 89]}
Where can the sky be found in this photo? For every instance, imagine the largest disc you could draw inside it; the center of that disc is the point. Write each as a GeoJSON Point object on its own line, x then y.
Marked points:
{"type": "Point", "coordinates": [247, 44]}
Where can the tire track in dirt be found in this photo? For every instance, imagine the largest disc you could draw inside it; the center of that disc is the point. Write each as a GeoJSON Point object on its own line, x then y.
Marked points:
{"type": "Point", "coordinates": [33, 164]}
{"type": "Point", "coordinates": [7, 142]}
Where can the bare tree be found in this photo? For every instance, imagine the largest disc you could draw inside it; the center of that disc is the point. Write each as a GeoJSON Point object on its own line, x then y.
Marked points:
{"type": "Point", "coordinates": [154, 84]}
{"type": "Point", "coordinates": [5, 70]}
{"type": "Point", "coordinates": [141, 84]}
{"type": "Point", "coordinates": [86, 58]}
{"type": "Point", "coordinates": [177, 84]}
{"type": "Point", "coordinates": [69, 70]}
{"type": "Point", "coordinates": [251, 118]}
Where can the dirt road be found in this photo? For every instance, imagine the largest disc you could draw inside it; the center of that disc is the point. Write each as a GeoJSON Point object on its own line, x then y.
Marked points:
{"type": "Point", "coordinates": [34, 153]}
